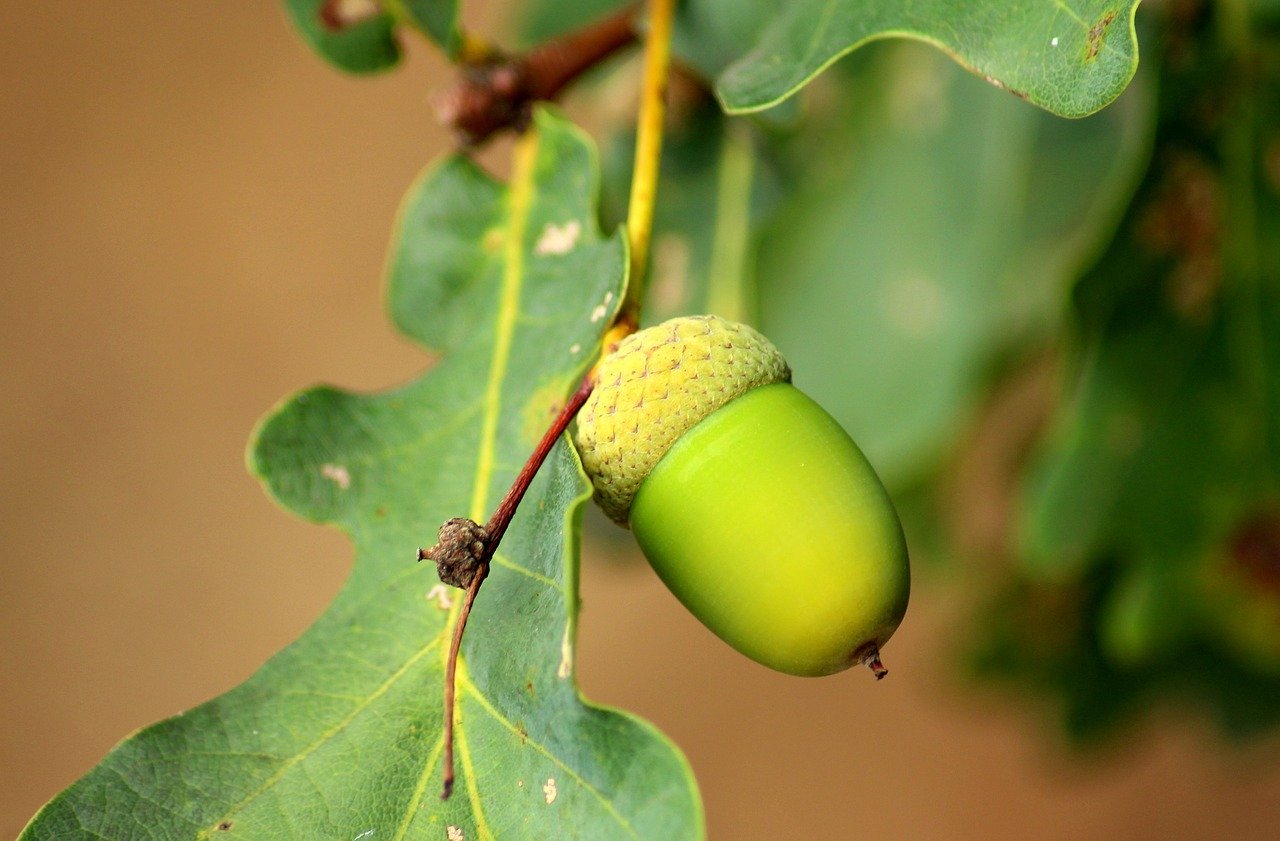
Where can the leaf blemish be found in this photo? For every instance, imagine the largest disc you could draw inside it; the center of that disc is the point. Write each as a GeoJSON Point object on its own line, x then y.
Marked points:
{"type": "Point", "coordinates": [338, 15]}
{"type": "Point", "coordinates": [224, 826]}
{"type": "Point", "coordinates": [1097, 33]}
{"type": "Point", "coordinates": [558, 239]}
{"type": "Point", "coordinates": [549, 790]}
{"type": "Point", "coordinates": [566, 657]}
{"type": "Point", "coordinates": [600, 311]}
{"type": "Point", "coordinates": [454, 833]}
{"type": "Point", "coordinates": [440, 594]}
{"type": "Point", "coordinates": [364, 834]}
{"type": "Point", "coordinates": [337, 474]}
{"type": "Point", "coordinates": [992, 80]}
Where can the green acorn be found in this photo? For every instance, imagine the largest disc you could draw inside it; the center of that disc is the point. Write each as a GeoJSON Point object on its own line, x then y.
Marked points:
{"type": "Point", "coordinates": [752, 504]}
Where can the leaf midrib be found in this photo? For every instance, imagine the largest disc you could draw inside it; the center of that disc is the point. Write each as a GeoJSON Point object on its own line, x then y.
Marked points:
{"type": "Point", "coordinates": [520, 200]}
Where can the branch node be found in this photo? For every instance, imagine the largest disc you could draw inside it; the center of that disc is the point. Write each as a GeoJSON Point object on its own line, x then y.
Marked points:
{"type": "Point", "coordinates": [497, 91]}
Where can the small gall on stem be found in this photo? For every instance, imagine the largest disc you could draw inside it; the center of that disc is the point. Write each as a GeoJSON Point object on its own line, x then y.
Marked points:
{"type": "Point", "coordinates": [462, 548]}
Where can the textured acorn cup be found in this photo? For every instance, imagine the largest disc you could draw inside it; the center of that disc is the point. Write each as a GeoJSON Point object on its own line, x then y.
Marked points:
{"type": "Point", "coordinates": [655, 387]}
{"type": "Point", "coordinates": [751, 503]}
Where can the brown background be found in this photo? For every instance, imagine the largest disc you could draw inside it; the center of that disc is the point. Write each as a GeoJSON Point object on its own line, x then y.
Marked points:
{"type": "Point", "coordinates": [193, 214]}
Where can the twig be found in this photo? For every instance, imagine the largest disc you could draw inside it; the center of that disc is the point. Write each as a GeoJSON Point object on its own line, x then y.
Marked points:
{"type": "Point", "coordinates": [497, 91]}
{"type": "Point", "coordinates": [466, 549]}
{"type": "Point", "coordinates": [644, 178]}
{"type": "Point", "coordinates": [451, 676]}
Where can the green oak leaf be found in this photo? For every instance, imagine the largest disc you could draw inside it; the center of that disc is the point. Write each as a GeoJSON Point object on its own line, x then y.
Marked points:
{"type": "Point", "coordinates": [934, 225]}
{"type": "Point", "coordinates": [339, 735]}
{"type": "Point", "coordinates": [1071, 57]}
{"type": "Point", "coordinates": [369, 45]}
{"type": "Point", "coordinates": [710, 35]}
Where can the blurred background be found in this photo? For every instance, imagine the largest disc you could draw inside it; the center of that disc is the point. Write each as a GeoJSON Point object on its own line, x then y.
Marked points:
{"type": "Point", "coordinates": [192, 226]}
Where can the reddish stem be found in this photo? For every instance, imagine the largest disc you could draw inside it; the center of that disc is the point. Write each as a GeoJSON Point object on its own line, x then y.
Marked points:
{"type": "Point", "coordinates": [451, 674]}
{"type": "Point", "coordinates": [495, 529]}
{"type": "Point", "coordinates": [497, 92]}
{"type": "Point", "coordinates": [554, 65]}
{"type": "Point", "coordinates": [497, 525]}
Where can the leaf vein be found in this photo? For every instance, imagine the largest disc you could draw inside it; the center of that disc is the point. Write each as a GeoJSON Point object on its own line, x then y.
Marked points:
{"type": "Point", "coordinates": [503, 561]}
{"type": "Point", "coordinates": [324, 737]}
{"type": "Point", "coordinates": [487, 706]}
{"type": "Point", "coordinates": [415, 801]}
{"type": "Point", "coordinates": [473, 791]}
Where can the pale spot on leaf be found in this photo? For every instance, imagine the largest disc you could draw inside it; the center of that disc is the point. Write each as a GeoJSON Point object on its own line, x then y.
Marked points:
{"type": "Point", "coordinates": [337, 474]}
{"type": "Point", "coordinates": [602, 310]}
{"type": "Point", "coordinates": [549, 790]}
{"type": "Point", "coordinates": [558, 239]}
{"type": "Point", "coordinates": [566, 657]}
{"type": "Point", "coordinates": [454, 833]}
{"type": "Point", "coordinates": [440, 594]}
{"type": "Point", "coordinates": [340, 14]}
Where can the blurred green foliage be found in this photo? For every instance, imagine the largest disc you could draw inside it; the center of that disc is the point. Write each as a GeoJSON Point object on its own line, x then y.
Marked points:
{"type": "Point", "coordinates": [1152, 496]}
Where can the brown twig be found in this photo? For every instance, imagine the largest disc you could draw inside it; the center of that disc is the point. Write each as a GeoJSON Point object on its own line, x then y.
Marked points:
{"type": "Point", "coordinates": [497, 91]}
{"type": "Point", "coordinates": [466, 549]}
{"type": "Point", "coordinates": [451, 675]}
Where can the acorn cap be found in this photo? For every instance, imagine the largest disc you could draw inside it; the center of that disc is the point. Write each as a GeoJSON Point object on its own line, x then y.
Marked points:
{"type": "Point", "coordinates": [656, 386]}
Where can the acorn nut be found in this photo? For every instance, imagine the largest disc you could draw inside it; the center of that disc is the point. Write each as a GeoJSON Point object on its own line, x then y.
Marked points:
{"type": "Point", "coordinates": [751, 503]}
